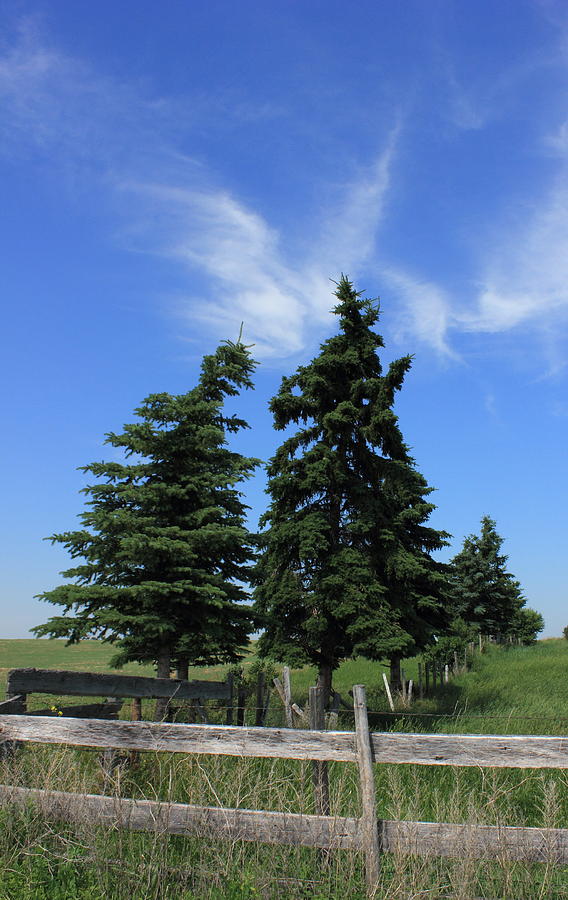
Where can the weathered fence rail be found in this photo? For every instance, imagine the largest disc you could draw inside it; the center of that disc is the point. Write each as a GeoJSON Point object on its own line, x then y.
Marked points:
{"type": "Point", "coordinates": [92, 684]}
{"type": "Point", "coordinates": [365, 833]}
{"type": "Point", "coordinates": [512, 751]}
{"type": "Point", "coordinates": [339, 833]}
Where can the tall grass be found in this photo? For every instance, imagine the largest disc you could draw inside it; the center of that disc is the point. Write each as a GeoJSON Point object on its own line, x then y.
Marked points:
{"type": "Point", "coordinates": [521, 688]}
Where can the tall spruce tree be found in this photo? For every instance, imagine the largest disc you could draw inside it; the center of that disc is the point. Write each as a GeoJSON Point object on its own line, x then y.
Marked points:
{"type": "Point", "coordinates": [483, 592]}
{"type": "Point", "coordinates": [164, 544]}
{"type": "Point", "coordinates": [345, 567]}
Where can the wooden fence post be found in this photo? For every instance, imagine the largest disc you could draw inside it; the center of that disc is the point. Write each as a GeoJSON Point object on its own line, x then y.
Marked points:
{"type": "Point", "coordinates": [241, 701]}
{"type": "Point", "coordinates": [287, 696]}
{"type": "Point", "coordinates": [446, 673]}
{"type": "Point", "coordinates": [136, 716]}
{"type": "Point", "coordinates": [369, 827]}
{"type": "Point", "coordinates": [420, 682]}
{"type": "Point", "coordinates": [259, 713]}
{"type": "Point", "coordinates": [388, 690]}
{"type": "Point", "coordinates": [231, 700]}
{"type": "Point", "coordinates": [320, 773]}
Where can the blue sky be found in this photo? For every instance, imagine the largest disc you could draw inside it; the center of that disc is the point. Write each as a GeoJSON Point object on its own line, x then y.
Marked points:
{"type": "Point", "coordinates": [170, 170]}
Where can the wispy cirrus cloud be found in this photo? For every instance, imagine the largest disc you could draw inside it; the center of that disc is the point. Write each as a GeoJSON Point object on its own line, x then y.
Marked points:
{"type": "Point", "coordinates": [526, 275]}
{"type": "Point", "coordinates": [252, 277]}
{"type": "Point", "coordinates": [426, 309]}
{"type": "Point", "coordinates": [111, 133]}
{"type": "Point", "coordinates": [234, 264]}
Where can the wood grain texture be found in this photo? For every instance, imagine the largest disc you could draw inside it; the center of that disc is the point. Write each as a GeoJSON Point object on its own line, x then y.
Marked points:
{"type": "Point", "coordinates": [216, 740]}
{"type": "Point", "coordinates": [516, 751]}
{"type": "Point", "coordinates": [488, 750]}
{"type": "Point", "coordinates": [184, 819]}
{"type": "Point", "coordinates": [414, 838]}
{"type": "Point", "coordinates": [476, 841]}
{"type": "Point", "coordinates": [369, 832]}
{"type": "Point", "coordinates": [94, 684]}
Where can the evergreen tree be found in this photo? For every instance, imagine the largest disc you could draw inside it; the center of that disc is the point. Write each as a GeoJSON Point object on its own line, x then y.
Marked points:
{"type": "Point", "coordinates": [346, 566]}
{"type": "Point", "coordinates": [164, 545]}
{"type": "Point", "coordinates": [484, 593]}
{"type": "Point", "coordinates": [527, 623]}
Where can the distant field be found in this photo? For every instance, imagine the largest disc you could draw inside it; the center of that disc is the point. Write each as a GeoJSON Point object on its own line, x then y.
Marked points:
{"type": "Point", "coordinates": [95, 656]}
{"type": "Point", "coordinates": [88, 656]}
{"type": "Point", "coordinates": [521, 689]}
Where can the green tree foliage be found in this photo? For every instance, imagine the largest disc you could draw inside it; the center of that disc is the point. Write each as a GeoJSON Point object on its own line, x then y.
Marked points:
{"type": "Point", "coordinates": [527, 623]}
{"type": "Point", "coordinates": [454, 639]}
{"type": "Point", "coordinates": [346, 566]}
{"type": "Point", "coordinates": [484, 593]}
{"type": "Point", "coordinates": [164, 546]}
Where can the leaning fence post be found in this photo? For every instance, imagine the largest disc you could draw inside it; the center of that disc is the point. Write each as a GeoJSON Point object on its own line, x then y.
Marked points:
{"type": "Point", "coordinates": [287, 696]}
{"type": "Point", "coordinates": [319, 768]}
{"type": "Point", "coordinates": [388, 690]}
{"type": "Point", "coordinates": [370, 833]}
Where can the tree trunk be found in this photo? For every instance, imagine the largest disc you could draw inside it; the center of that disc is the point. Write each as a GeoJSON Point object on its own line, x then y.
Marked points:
{"type": "Point", "coordinates": [163, 669]}
{"type": "Point", "coordinates": [182, 670]}
{"type": "Point", "coordinates": [395, 674]}
{"type": "Point", "coordinates": [324, 684]}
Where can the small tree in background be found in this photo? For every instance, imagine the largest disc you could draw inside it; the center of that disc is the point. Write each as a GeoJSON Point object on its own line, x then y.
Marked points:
{"type": "Point", "coordinates": [164, 544]}
{"type": "Point", "coordinates": [484, 593]}
{"type": "Point", "coordinates": [527, 623]}
{"type": "Point", "coordinates": [346, 566]}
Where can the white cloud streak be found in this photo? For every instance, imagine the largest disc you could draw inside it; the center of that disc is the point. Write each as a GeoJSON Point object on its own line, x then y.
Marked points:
{"type": "Point", "coordinates": [250, 275]}
{"type": "Point", "coordinates": [112, 133]}
{"type": "Point", "coordinates": [56, 107]}
{"type": "Point", "coordinates": [526, 277]}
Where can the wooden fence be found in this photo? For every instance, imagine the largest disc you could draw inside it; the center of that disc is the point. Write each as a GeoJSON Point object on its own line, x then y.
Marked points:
{"type": "Point", "coordinates": [22, 682]}
{"type": "Point", "coordinates": [333, 832]}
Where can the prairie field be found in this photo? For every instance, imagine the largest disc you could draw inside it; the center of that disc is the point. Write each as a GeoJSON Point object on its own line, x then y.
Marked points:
{"type": "Point", "coordinates": [521, 690]}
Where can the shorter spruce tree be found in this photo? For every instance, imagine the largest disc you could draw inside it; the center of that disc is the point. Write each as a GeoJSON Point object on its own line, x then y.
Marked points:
{"type": "Point", "coordinates": [483, 592]}
{"type": "Point", "coordinates": [164, 550]}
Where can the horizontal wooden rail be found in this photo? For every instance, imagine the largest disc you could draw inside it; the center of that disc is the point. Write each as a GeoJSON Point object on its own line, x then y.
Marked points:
{"type": "Point", "coordinates": [5, 705]}
{"type": "Point", "coordinates": [477, 841]}
{"type": "Point", "coordinates": [182, 818]}
{"type": "Point", "coordinates": [415, 838]}
{"type": "Point", "coordinates": [490, 750]}
{"type": "Point", "coordinates": [515, 751]}
{"type": "Point", "coordinates": [216, 740]}
{"type": "Point", "coordinates": [93, 684]}
{"type": "Point", "coordinates": [108, 709]}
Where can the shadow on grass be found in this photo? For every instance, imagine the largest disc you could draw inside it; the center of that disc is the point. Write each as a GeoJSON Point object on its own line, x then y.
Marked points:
{"type": "Point", "coordinates": [442, 705]}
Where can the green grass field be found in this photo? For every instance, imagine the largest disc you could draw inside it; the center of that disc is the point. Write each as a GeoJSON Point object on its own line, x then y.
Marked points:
{"type": "Point", "coordinates": [517, 690]}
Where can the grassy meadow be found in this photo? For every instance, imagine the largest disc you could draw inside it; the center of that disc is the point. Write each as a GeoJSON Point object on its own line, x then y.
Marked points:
{"type": "Point", "coordinates": [517, 690]}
